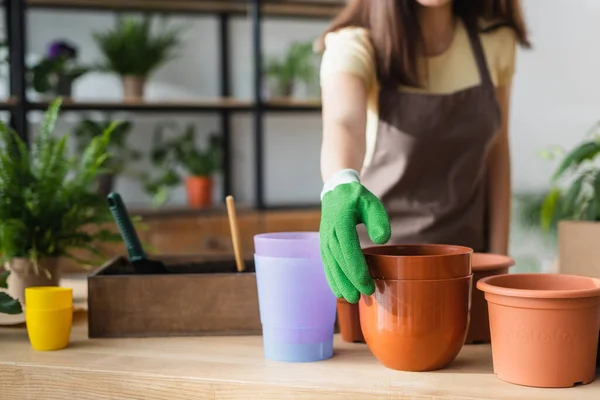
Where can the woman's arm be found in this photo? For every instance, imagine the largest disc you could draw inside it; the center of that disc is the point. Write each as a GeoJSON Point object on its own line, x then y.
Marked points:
{"type": "Point", "coordinates": [499, 181]}
{"type": "Point", "coordinates": [344, 97]}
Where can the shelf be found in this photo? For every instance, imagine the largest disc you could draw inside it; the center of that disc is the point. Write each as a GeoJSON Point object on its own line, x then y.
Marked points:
{"type": "Point", "coordinates": [205, 105]}
{"type": "Point", "coordinates": [293, 105]}
{"type": "Point", "coordinates": [8, 104]}
{"type": "Point", "coordinates": [303, 9]}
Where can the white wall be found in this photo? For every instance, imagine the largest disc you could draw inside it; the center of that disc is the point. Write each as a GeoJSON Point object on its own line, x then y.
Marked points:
{"type": "Point", "coordinates": [556, 96]}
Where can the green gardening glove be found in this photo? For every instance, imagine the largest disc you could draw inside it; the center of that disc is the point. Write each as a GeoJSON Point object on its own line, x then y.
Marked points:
{"type": "Point", "coordinates": [345, 203]}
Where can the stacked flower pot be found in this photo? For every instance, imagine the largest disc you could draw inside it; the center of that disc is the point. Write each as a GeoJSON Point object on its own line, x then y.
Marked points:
{"type": "Point", "coordinates": [543, 328]}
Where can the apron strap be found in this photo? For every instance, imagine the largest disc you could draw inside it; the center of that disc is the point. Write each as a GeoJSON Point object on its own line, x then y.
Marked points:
{"type": "Point", "coordinates": [484, 72]}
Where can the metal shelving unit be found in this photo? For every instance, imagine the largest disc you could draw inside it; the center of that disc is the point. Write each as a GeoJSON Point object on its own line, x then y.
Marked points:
{"type": "Point", "coordinates": [19, 106]}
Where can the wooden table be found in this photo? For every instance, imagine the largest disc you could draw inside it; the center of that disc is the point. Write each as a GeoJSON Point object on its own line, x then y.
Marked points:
{"type": "Point", "coordinates": [233, 368]}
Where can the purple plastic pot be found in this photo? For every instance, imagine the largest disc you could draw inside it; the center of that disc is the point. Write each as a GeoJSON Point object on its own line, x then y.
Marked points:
{"type": "Point", "coordinates": [297, 307]}
{"type": "Point", "coordinates": [288, 245]}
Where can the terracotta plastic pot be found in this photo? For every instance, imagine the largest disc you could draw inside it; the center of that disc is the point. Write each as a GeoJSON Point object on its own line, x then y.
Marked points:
{"type": "Point", "coordinates": [416, 325]}
{"type": "Point", "coordinates": [199, 191]}
{"type": "Point", "coordinates": [428, 261]}
{"type": "Point", "coordinates": [349, 322]}
{"type": "Point", "coordinates": [484, 265]}
{"type": "Point", "coordinates": [544, 328]}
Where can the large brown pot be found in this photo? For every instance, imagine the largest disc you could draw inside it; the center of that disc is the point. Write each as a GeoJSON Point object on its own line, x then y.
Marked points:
{"type": "Point", "coordinates": [199, 191]}
{"type": "Point", "coordinates": [23, 275]}
{"type": "Point", "coordinates": [484, 265]}
{"type": "Point", "coordinates": [418, 317]}
{"type": "Point", "coordinates": [416, 325]}
{"type": "Point", "coordinates": [544, 328]}
{"type": "Point", "coordinates": [133, 88]}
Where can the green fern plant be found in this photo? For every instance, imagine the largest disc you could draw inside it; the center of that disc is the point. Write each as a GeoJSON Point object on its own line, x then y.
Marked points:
{"type": "Point", "coordinates": [120, 154]}
{"type": "Point", "coordinates": [575, 191]}
{"type": "Point", "coordinates": [130, 48]}
{"type": "Point", "coordinates": [48, 199]}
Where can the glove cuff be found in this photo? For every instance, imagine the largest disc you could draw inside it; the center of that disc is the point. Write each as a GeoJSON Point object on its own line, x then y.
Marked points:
{"type": "Point", "coordinates": [341, 177]}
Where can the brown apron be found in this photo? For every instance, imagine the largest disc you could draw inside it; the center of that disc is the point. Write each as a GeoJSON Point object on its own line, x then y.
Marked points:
{"type": "Point", "coordinates": [428, 166]}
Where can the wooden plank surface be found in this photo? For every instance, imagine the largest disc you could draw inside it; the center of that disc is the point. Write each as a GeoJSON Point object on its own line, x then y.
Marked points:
{"type": "Point", "coordinates": [233, 368]}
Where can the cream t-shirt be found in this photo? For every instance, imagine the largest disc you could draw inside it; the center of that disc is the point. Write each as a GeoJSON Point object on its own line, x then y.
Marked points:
{"type": "Point", "coordinates": [350, 50]}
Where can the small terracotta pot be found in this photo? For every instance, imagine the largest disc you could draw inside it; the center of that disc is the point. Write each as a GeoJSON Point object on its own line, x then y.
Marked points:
{"type": "Point", "coordinates": [427, 261]}
{"type": "Point", "coordinates": [484, 265]}
{"type": "Point", "coordinates": [544, 328]}
{"type": "Point", "coordinates": [23, 275]}
{"type": "Point", "coordinates": [349, 322]}
{"type": "Point", "coordinates": [416, 325]}
{"type": "Point", "coordinates": [199, 191]}
{"type": "Point", "coordinates": [133, 88]}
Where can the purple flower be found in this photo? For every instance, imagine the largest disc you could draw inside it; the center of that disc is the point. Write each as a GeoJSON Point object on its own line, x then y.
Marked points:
{"type": "Point", "coordinates": [62, 48]}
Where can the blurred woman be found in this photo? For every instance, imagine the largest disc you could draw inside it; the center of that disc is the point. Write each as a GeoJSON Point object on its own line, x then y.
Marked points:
{"type": "Point", "coordinates": [416, 95]}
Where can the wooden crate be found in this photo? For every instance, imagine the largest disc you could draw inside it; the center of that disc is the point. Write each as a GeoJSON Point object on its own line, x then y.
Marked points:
{"type": "Point", "coordinates": [204, 295]}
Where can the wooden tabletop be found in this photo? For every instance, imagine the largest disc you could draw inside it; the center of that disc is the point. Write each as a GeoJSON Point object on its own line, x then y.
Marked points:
{"type": "Point", "coordinates": [233, 368]}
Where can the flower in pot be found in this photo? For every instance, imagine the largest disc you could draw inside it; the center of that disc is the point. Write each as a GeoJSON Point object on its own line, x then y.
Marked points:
{"type": "Point", "coordinates": [298, 65]}
{"type": "Point", "coordinates": [417, 318]}
{"type": "Point", "coordinates": [49, 206]}
{"type": "Point", "coordinates": [133, 52]}
{"type": "Point", "coordinates": [120, 153]}
{"type": "Point", "coordinates": [55, 73]}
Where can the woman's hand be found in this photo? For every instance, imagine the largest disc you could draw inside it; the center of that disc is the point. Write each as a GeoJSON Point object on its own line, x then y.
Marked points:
{"type": "Point", "coordinates": [345, 204]}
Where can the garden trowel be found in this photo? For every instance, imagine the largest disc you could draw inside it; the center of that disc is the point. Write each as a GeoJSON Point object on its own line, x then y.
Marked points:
{"type": "Point", "coordinates": [137, 257]}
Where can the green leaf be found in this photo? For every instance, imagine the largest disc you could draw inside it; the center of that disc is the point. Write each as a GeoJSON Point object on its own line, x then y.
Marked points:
{"type": "Point", "coordinates": [549, 208]}
{"type": "Point", "coordinates": [572, 196]}
{"type": "Point", "coordinates": [3, 278]}
{"type": "Point", "coordinates": [585, 151]}
{"type": "Point", "coordinates": [8, 305]}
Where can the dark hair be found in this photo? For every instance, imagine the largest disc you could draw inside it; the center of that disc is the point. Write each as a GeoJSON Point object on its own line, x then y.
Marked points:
{"type": "Point", "coordinates": [396, 34]}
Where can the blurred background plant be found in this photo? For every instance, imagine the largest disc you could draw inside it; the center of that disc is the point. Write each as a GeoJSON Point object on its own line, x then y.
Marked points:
{"type": "Point", "coordinates": [55, 73]}
{"type": "Point", "coordinates": [575, 184]}
{"type": "Point", "coordinates": [180, 151]}
{"type": "Point", "coordinates": [133, 52]}
{"type": "Point", "coordinates": [120, 154]}
{"type": "Point", "coordinates": [298, 65]}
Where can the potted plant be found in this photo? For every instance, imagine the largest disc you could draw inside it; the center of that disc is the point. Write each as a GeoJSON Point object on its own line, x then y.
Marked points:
{"type": "Point", "coordinates": [8, 305]}
{"type": "Point", "coordinates": [298, 65]}
{"type": "Point", "coordinates": [55, 73]}
{"type": "Point", "coordinates": [49, 202]}
{"type": "Point", "coordinates": [120, 153]}
{"type": "Point", "coordinates": [200, 164]}
{"type": "Point", "coordinates": [133, 52]}
{"type": "Point", "coordinates": [573, 204]}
